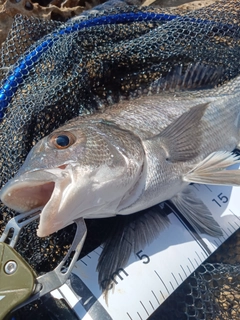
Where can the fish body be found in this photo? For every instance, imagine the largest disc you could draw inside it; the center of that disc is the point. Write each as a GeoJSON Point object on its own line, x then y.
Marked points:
{"type": "Point", "coordinates": [134, 155]}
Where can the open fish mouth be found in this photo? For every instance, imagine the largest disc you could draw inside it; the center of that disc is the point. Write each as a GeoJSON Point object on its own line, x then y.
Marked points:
{"type": "Point", "coordinates": [37, 190]}
{"type": "Point", "coordinates": [24, 197]}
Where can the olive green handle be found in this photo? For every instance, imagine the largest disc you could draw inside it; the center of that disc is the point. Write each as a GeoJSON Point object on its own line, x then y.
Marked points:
{"type": "Point", "coordinates": [17, 280]}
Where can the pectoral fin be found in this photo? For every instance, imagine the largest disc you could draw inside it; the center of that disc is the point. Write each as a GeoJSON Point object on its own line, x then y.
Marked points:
{"type": "Point", "coordinates": [196, 212]}
{"type": "Point", "coordinates": [181, 139]}
{"type": "Point", "coordinates": [211, 170]}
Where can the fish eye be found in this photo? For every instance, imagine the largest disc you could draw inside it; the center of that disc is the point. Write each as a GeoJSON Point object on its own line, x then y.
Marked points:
{"type": "Point", "coordinates": [62, 140]}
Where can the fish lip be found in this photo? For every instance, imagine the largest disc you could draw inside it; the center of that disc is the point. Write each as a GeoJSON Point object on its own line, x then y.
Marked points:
{"type": "Point", "coordinates": [30, 176]}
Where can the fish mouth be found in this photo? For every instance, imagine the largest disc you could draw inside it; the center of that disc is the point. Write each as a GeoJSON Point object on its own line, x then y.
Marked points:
{"type": "Point", "coordinates": [37, 190]}
{"type": "Point", "coordinates": [24, 197]}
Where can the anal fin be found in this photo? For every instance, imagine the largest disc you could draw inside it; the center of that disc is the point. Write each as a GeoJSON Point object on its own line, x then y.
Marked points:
{"type": "Point", "coordinates": [196, 212]}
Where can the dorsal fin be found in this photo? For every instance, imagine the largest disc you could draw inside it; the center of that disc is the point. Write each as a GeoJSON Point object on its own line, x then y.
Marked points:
{"type": "Point", "coordinates": [196, 75]}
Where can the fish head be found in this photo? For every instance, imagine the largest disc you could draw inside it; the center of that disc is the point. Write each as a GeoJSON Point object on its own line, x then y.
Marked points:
{"type": "Point", "coordinates": [83, 170]}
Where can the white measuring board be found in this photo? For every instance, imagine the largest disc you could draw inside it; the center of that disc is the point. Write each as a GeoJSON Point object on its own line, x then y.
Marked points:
{"type": "Point", "coordinates": [157, 270]}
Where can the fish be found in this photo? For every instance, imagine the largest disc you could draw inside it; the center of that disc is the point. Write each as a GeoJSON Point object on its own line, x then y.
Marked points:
{"type": "Point", "coordinates": [134, 155]}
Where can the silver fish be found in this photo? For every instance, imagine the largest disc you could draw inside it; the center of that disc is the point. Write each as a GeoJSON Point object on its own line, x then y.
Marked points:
{"type": "Point", "coordinates": [134, 155]}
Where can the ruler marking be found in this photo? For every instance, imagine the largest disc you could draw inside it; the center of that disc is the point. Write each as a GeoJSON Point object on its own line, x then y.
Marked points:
{"type": "Point", "coordinates": [144, 308]}
{"type": "Point", "coordinates": [88, 256]}
{"type": "Point", "coordinates": [225, 233]}
{"type": "Point", "coordinates": [175, 279]}
{"type": "Point", "coordinates": [196, 262]}
{"type": "Point", "coordinates": [208, 187]}
{"type": "Point", "coordinates": [155, 297]}
{"type": "Point", "coordinates": [180, 276]}
{"type": "Point", "coordinates": [83, 262]}
{"type": "Point", "coordinates": [235, 217]}
{"type": "Point", "coordinates": [183, 270]}
{"type": "Point", "coordinates": [191, 263]}
{"type": "Point", "coordinates": [129, 316]}
{"type": "Point", "coordinates": [171, 285]}
{"type": "Point", "coordinates": [231, 226]}
{"type": "Point", "coordinates": [222, 241]}
{"type": "Point", "coordinates": [162, 281]}
{"type": "Point", "coordinates": [203, 255]}
{"type": "Point", "coordinates": [229, 230]}
{"type": "Point", "coordinates": [139, 316]}
{"type": "Point", "coordinates": [162, 295]}
{"type": "Point", "coordinates": [98, 254]}
{"type": "Point", "coordinates": [237, 224]}
{"type": "Point", "coordinates": [198, 256]}
{"type": "Point", "coordinates": [234, 214]}
{"type": "Point", "coordinates": [194, 185]}
{"type": "Point", "coordinates": [189, 269]}
{"type": "Point", "coordinates": [151, 305]}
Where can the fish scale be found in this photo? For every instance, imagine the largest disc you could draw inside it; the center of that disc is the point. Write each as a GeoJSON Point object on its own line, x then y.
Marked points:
{"type": "Point", "coordinates": [39, 84]}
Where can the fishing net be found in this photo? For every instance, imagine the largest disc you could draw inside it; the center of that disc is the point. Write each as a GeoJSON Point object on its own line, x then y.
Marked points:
{"type": "Point", "coordinates": [51, 72]}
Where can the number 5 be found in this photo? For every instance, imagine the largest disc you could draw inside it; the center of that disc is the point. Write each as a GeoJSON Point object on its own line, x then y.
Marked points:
{"type": "Point", "coordinates": [224, 199]}
{"type": "Point", "coordinates": [143, 256]}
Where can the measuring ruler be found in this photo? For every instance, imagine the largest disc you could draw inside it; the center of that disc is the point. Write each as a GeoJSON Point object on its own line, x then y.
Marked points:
{"type": "Point", "coordinates": [157, 270]}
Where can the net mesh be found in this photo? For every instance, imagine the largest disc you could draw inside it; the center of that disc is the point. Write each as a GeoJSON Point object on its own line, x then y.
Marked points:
{"type": "Point", "coordinates": [212, 291]}
{"type": "Point", "coordinates": [52, 72]}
